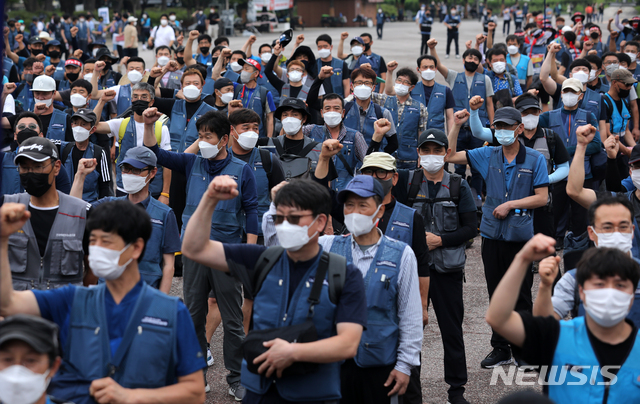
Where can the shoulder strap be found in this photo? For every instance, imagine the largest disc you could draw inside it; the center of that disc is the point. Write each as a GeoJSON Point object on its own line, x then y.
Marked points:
{"type": "Point", "coordinates": [454, 187]}
{"type": "Point", "coordinates": [265, 262]}
{"type": "Point", "coordinates": [265, 156]}
{"type": "Point", "coordinates": [416, 183]}
{"type": "Point", "coordinates": [279, 146]}
{"type": "Point", "coordinates": [378, 110]}
{"type": "Point", "coordinates": [345, 163]}
{"type": "Point", "coordinates": [308, 148]}
{"type": "Point", "coordinates": [158, 130]}
{"type": "Point", "coordinates": [263, 96]}
{"type": "Point", "coordinates": [66, 151]}
{"type": "Point", "coordinates": [347, 107]}
{"type": "Point", "coordinates": [123, 129]}
{"type": "Point", "coordinates": [316, 289]}
{"type": "Point", "coordinates": [337, 276]}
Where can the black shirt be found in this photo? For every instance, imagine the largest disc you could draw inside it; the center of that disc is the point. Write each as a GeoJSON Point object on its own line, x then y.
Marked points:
{"type": "Point", "coordinates": [41, 221]}
{"type": "Point", "coordinates": [277, 174]}
{"type": "Point", "coordinates": [165, 104]}
{"type": "Point", "coordinates": [328, 87]}
{"type": "Point", "coordinates": [214, 18]}
{"type": "Point", "coordinates": [608, 107]}
{"type": "Point", "coordinates": [449, 100]}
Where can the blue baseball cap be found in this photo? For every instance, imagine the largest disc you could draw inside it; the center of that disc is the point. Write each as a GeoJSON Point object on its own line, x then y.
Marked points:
{"type": "Point", "coordinates": [140, 157]}
{"type": "Point", "coordinates": [364, 186]}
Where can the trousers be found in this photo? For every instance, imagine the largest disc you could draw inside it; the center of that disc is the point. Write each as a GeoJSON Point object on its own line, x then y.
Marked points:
{"type": "Point", "coordinates": [452, 36]}
{"type": "Point", "coordinates": [366, 385]}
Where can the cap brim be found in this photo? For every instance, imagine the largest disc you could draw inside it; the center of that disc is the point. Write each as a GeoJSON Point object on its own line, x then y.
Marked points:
{"type": "Point", "coordinates": [508, 121]}
{"type": "Point", "coordinates": [432, 141]}
{"type": "Point", "coordinates": [83, 117]}
{"type": "Point", "coordinates": [526, 107]}
{"type": "Point", "coordinates": [384, 167]}
{"type": "Point", "coordinates": [363, 193]}
{"type": "Point", "coordinates": [133, 163]}
{"type": "Point", "coordinates": [35, 342]}
{"type": "Point", "coordinates": [278, 112]}
{"type": "Point", "coordinates": [37, 157]}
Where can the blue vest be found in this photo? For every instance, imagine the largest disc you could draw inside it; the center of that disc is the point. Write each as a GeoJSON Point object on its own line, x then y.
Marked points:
{"type": "Point", "coordinates": [337, 76]}
{"type": "Point", "coordinates": [574, 348]}
{"type": "Point", "coordinates": [124, 98]}
{"type": "Point", "coordinates": [58, 75]}
{"type": "Point", "coordinates": [107, 81]}
{"type": "Point", "coordinates": [521, 67]}
{"type": "Point", "coordinates": [204, 60]}
{"type": "Point", "coordinates": [129, 140]}
{"type": "Point", "coordinates": [619, 119]}
{"type": "Point", "coordinates": [590, 102]}
{"type": "Point", "coordinates": [184, 133]}
{"type": "Point", "coordinates": [57, 125]}
{"type": "Point", "coordinates": [105, 112]}
{"type": "Point", "coordinates": [231, 75]}
{"type": "Point", "coordinates": [599, 48]}
{"type": "Point", "coordinates": [254, 103]}
{"type": "Point", "coordinates": [352, 120]}
{"type": "Point", "coordinates": [148, 361]}
{"type": "Point", "coordinates": [228, 216]}
{"type": "Point", "coordinates": [408, 130]}
{"type": "Point", "coordinates": [512, 228]}
{"type": "Point", "coordinates": [10, 177]}
{"type": "Point", "coordinates": [462, 95]}
{"type": "Point", "coordinates": [272, 311]}
{"type": "Point", "coordinates": [26, 97]}
{"type": "Point", "coordinates": [262, 184]}
{"type": "Point", "coordinates": [83, 29]}
{"type": "Point", "coordinates": [207, 88]}
{"type": "Point", "coordinates": [379, 342]}
{"type": "Point", "coordinates": [263, 82]}
{"type": "Point", "coordinates": [90, 188]}
{"type": "Point", "coordinates": [435, 106]}
{"type": "Point", "coordinates": [400, 226]}
{"type": "Point", "coordinates": [570, 139]}
{"type": "Point", "coordinates": [319, 134]}
{"type": "Point", "coordinates": [7, 64]}
{"type": "Point", "coordinates": [64, 85]}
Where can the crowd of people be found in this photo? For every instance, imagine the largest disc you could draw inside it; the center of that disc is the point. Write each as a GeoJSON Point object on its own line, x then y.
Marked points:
{"type": "Point", "coordinates": [316, 203]}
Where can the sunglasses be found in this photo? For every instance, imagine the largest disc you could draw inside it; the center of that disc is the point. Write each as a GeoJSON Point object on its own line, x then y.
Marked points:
{"type": "Point", "coordinates": [293, 219]}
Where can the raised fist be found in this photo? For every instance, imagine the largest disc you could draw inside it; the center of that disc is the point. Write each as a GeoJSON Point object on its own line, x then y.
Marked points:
{"type": "Point", "coordinates": [193, 35]}
{"type": "Point", "coordinates": [325, 72]}
{"type": "Point", "coordinates": [151, 115]}
{"type": "Point", "coordinates": [391, 66]}
{"type": "Point", "coordinates": [344, 35]}
{"type": "Point", "coordinates": [475, 102]}
{"type": "Point", "coordinates": [432, 43]}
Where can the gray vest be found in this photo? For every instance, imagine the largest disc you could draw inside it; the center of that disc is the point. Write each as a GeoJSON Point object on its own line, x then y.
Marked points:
{"type": "Point", "coordinates": [313, 155]}
{"type": "Point", "coordinates": [541, 146]}
{"type": "Point", "coordinates": [440, 216]}
{"type": "Point", "coordinates": [174, 80]}
{"type": "Point", "coordinates": [62, 263]}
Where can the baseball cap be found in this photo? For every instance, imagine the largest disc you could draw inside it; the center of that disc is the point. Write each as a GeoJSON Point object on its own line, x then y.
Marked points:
{"type": "Point", "coordinates": [53, 42]}
{"type": "Point", "coordinates": [140, 157]}
{"type": "Point", "coordinates": [40, 334]}
{"type": "Point", "coordinates": [35, 40]}
{"type": "Point", "coordinates": [44, 35]}
{"type": "Point", "coordinates": [357, 39]}
{"type": "Point", "coordinates": [380, 160]}
{"type": "Point", "coordinates": [364, 186]}
{"type": "Point", "coordinates": [221, 83]}
{"type": "Point", "coordinates": [251, 62]}
{"type": "Point", "coordinates": [87, 115]}
{"type": "Point", "coordinates": [435, 136]}
{"type": "Point", "coordinates": [43, 83]}
{"type": "Point", "coordinates": [573, 84]}
{"type": "Point", "coordinates": [37, 149]}
{"type": "Point", "coordinates": [525, 103]}
{"type": "Point", "coordinates": [132, 19]}
{"type": "Point", "coordinates": [624, 76]}
{"type": "Point", "coordinates": [508, 115]}
{"type": "Point", "coordinates": [635, 154]}
{"type": "Point", "coordinates": [179, 49]}
{"type": "Point", "coordinates": [285, 38]}
{"type": "Point", "coordinates": [291, 103]}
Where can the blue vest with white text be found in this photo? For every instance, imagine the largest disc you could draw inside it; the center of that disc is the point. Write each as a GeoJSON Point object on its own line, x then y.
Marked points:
{"type": "Point", "coordinates": [407, 129]}
{"type": "Point", "coordinates": [400, 226]}
{"type": "Point", "coordinates": [184, 133]}
{"type": "Point", "coordinates": [462, 95]}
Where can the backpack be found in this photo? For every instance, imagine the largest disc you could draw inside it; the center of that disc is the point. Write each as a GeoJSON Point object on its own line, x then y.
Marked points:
{"type": "Point", "coordinates": [265, 156]}
{"type": "Point", "coordinates": [416, 182]}
{"type": "Point", "coordinates": [294, 165]}
{"type": "Point", "coordinates": [67, 149]}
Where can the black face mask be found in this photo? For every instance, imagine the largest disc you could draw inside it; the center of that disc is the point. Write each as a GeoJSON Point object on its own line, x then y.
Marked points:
{"type": "Point", "coordinates": [25, 134]}
{"type": "Point", "coordinates": [367, 46]}
{"type": "Point", "coordinates": [306, 64]}
{"type": "Point", "coordinates": [139, 106]}
{"type": "Point", "coordinates": [72, 77]}
{"type": "Point", "coordinates": [36, 184]}
{"type": "Point", "coordinates": [54, 54]}
{"type": "Point", "coordinates": [204, 50]}
{"type": "Point", "coordinates": [471, 66]}
{"type": "Point", "coordinates": [180, 60]}
{"type": "Point", "coordinates": [107, 65]}
{"type": "Point", "coordinates": [594, 35]}
{"type": "Point", "coordinates": [36, 52]}
{"type": "Point", "coordinates": [623, 93]}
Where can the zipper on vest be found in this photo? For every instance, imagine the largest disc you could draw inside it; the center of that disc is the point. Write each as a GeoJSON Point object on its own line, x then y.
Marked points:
{"type": "Point", "coordinates": [605, 399]}
{"type": "Point", "coordinates": [41, 272]}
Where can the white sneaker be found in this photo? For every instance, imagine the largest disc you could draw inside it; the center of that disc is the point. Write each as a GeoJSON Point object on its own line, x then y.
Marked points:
{"type": "Point", "coordinates": [446, 56]}
{"type": "Point", "coordinates": [207, 388]}
{"type": "Point", "coordinates": [209, 358]}
{"type": "Point", "coordinates": [457, 56]}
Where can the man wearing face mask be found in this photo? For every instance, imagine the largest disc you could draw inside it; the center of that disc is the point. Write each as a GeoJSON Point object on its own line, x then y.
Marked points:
{"type": "Point", "coordinates": [596, 37]}
{"type": "Point", "coordinates": [436, 97]}
{"type": "Point", "coordinates": [375, 61]}
{"type": "Point", "coordinates": [340, 82]}
{"type": "Point", "coordinates": [452, 21]}
{"type": "Point", "coordinates": [48, 253]}
{"type": "Point", "coordinates": [517, 183]}
{"type": "Point", "coordinates": [616, 104]}
{"type": "Point", "coordinates": [139, 167]}
{"type": "Point", "coordinates": [632, 49]}
{"type": "Point", "coordinates": [72, 70]}
{"type": "Point", "coordinates": [131, 37]}
{"type": "Point", "coordinates": [228, 224]}
{"type": "Point", "coordinates": [254, 96]}
{"type": "Point", "coordinates": [106, 77]}
{"type": "Point", "coordinates": [23, 92]}
{"type": "Point", "coordinates": [595, 83]}
{"type": "Point", "coordinates": [97, 185]}
{"type": "Point", "coordinates": [294, 87]}
{"type": "Point", "coordinates": [607, 279]}
{"type": "Point", "coordinates": [29, 359]}
{"type": "Point", "coordinates": [163, 35]}
{"type": "Point", "coordinates": [356, 46]}
{"type": "Point", "coordinates": [521, 62]}
{"type": "Point", "coordinates": [135, 71]}
{"type": "Point", "coordinates": [223, 92]}
{"type": "Point", "coordinates": [500, 77]}
{"type": "Point", "coordinates": [140, 328]}
{"type": "Point", "coordinates": [56, 125]}
{"type": "Point", "coordinates": [424, 19]}
{"type": "Point", "coordinates": [53, 50]}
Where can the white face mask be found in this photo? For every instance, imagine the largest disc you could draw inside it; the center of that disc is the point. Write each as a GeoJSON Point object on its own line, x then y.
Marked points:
{"type": "Point", "coordinates": [246, 76]}
{"type": "Point", "coordinates": [226, 97]}
{"type": "Point", "coordinates": [19, 385]}
{"type": "Point", "coordinates": [134, 76]}
{"type": "Point", "coordinates": [104, 262]}
{"type": "Point", "coordinates": [133, 184]}
{"type": "Point", "coordinates": [592, 75]}
{"type": "Point", "coordinates": [620, 241]}
{"type": "Point", "coordinates": [293, 237]}
{"type": "Point", "coordinates": [291, 125]}
{"type": "Point", "coordinates": [332, 119]}
{"type": "Point", "coordinates": [191, 92]}
{"type": "Point", "coordinates": [428, 74]}
{"type": "Point", "coordinates": [512, 49]}
{"type": "Point", "coordinates": [95, 51]}
{"type": "Point", "coordinates": [530, 121]}
{"type": "Point", "coordinates": [363, 92]}
{"type": "Point", "coordinates": [45, 102]}
{"type": "Point", "coordinates": [235, 66]}
{"type": "Point", "coordinates": [632, 56]}
{"type": "Point", "coordinates": [77, 100]}
{"type": "Point", "coordinates": [499, 67]}
{"type": "Point", "coordinates": [163, 60]}
{"type": "Point", "coordinates": [80, 134]}
{"type": "Point", "coordinates": [295, 76]}
{"type": "Point", "coordinates": [635, 177]}
{"type": "Point", "coordinates": [324, 53]}
{"type": "Point", "coordinates": [582, 76]}
{"type": "Point", "coordinates": [607, 307]}
{"type": "Point", "coordinates": [208, 150]}
{"type": "Point", "coordinates": [570, 99]}
{"type": "Point", "coordinates": [164, 22]}
{"type": "Point", "coordinates": [266, 57]}
{"type": "Point", "coordinates": [612, 68]}
{"type": "Point", "coordinates": [88, 76]}
{"type": "Point", "coordinates": [432, 162]}
{"type": "Point", "coordinates": [247, 140]}
{"type": "Point", "coordinates": [172, 17]}
{"type": "Point", "coordinates": [357, 50]}
{"type": "Point", "coordinates": [401, 89]}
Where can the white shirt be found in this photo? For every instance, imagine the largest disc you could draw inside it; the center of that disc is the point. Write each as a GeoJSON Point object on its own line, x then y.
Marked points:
{"type": "Point", "coordinates": [164, 36]}
{"type": "Point", "coordinates": [9, 105]}
{"type": "Point", "coordinates": [114, 126]}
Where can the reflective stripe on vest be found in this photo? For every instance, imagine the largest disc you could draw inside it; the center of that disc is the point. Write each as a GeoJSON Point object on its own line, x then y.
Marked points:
{"type": "Point", "coordinates": [400, 226]}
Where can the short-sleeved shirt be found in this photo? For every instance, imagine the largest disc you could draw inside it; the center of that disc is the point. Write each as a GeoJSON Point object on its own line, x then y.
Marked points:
{"type": "Point", "coordinates": [451, 80]}
{"type": "Point", "coordinates": [56, 305]}
{"type": "Point", "coordinates": [163, 36]}
{"type": "Point", "coordinates": [514, 62]}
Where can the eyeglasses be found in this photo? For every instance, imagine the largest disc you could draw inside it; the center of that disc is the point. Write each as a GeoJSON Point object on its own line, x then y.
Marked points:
{"type": "Point", "coordinates": [610, 62]}
{"type": "Point", "coordinates": [293, 219]}
{"type": "Point", "coordinates": [625, 84]}
{"type": "Point", "coordinates": [405, 82]}
{"type": "Point", "coordinates": [133, 170]}
{"type": "Point", "coordinates": [295, 70]}
{"type": "Point", "coordinates": [362, 83]}
{"type": "Point", "coordinates": [622, 228]}
{"type": "Point", "coordinates": [36, 169]}
{"type": "Point", "coordinates": [379, 173]}
{"type": "Point", "coordinates": [31, 126]}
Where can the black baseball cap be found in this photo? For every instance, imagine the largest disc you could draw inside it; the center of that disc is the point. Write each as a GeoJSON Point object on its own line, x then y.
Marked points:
{"type": "Point", "coordinates": [87, 115]}
{"type": "Point", "coordinates": [105, 52]}
{"type": "Point", "coordinates": [40, 334]}
{"type": "Point", "coordinates": [635, 154]}
{"type": "Point", "coordinates": [221, 83]}
{"type": "Point", "coordinates": [291, 103]}
{"type": "Point", "coordinates": [37, 149]}
{"type": "Point", "coordinates": [525, 103]}
{"type": "Point", "coordinates": [508, 115]}
{"type": "Point", "coordinates": [435, 136]}
{"type": "Point", "coordinates": [35, 39]}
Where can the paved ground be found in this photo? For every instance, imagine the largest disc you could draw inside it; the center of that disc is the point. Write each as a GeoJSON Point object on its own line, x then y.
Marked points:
{"type": "Point", "coordinates": [402, 42]}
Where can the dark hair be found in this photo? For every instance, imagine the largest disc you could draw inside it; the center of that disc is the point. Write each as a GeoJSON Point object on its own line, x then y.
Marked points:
{"type": "Point", "coordinates": [570, 36]}
{"type": "Point", "coordinates": [367, 36]}
{"type": "Point", "coordinates": [472, 52]}
{"type": "Point", "coordinates": [604, 55]}
{"type": "Point", "coordinates": [28, 63]}
{"type": "Point", "coordinates": [164, 15]}
{"type": "Point", "coordinates": [159, 48]}
{"type": "Point", "coordinates": [578, 63]}
{"type": "Point", "coordinates": [609, 200]}
{"type": "Point", "coordinates": [364, 71]}
{"type": "Point", "coordinates": [411, 74]}
{"type": "Point", "coordinates": [623, 57]}
{"type": "Point", "coordinates": [633, 43]}
{"type": "Point", "coordinates": [123, 218]}
{"type": "Point", "coordinates": [429, 57]}
{"type": "Point", "coordinates": [239, 52]}
{"type": "Point", "coordinates": [333, 96]}
{"type": "Point", "coordinates": [28, 114]}
{"type": "Point", "coordinates": [559, 18]}
{"type": "Point", "coordinates": [204, 36]}
{"type": "Point", "coordinates": [263, 45]}
{"type": "Point", "coordinates": [607, 262]}
{"type": "Point", "coordinates": [141, 60]}
{"type": "Point", "coordinates": [243, 115]}
{"type": "Point", "coordinates": [82, 83]}
{"type": "Point", "coordinates": [513, 37]}
{"type": "Point", "coordinates": [530, 25]}
{"type": "Point", "coordinates": [220, 40]}
{"type": "Point", "coordinates": [595, 60]}
{"type": "Point", "coordinates": [217, 48]}
{"type": "Point", "coordinates": [324, 37]}
{"type": "Point", "coordinates": [305, 195]}
{"type": "Point", "coordinates": [86, 62]}
{"type": "Point", "coordinates": [495, 52]}
{"type": "Point", "coordinates": [215, 122]}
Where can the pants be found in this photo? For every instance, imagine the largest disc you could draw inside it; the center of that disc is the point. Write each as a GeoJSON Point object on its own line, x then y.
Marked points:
{"type": "Point", "coordinates": [567, 213]}
{"type": "Point", "coordinates": [466, 141]}
{"type": "Point", "coordinates": [543, 221]}
{"type": "Point", "coordinates": [212, 31]}
{"type": "Point", "coordinates": [199, 280]}
{"type": "Point", "coordinates": [379, 30]}
{"type": "Point", "coordinates": [178, 195]}
{"type": "Point", "coordinates": [365, 385]}
{"type": "Point", "coordinates": [506, 25]}
{"type": "Point", "coordinates": [131, 52]}
{"type": "Point", "coordinates": [424, 49]}
{"type": "Point", "coordinates": [496, 258]}
{"type": "Point", "coordinates": [413, 395]}
{"type": "Point", "coordinates": [517, 25]}
{"type": "Point", "coordinates": [273, 397]}
{"type": "Point", "coordinates": [445, 292]}
{"type": "Point", "coordinates": [452, 36]}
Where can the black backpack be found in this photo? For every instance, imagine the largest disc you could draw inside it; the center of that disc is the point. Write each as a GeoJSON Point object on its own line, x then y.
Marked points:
{"type": "Point", "coordinates": [294, 165]}
{"type": "Point", "coordinates": [416, 182]}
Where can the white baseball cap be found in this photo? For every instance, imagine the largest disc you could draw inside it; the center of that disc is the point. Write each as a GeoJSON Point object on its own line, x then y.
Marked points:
{"type": "Point", "coordinates": [43, 83]}
{"type": "Point", "coordinates": [44, 35]}
{"type": "Point", "coordinates": [132, 19]}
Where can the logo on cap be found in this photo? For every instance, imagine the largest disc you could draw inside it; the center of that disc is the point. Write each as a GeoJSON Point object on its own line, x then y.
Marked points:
{"type": "Point", "coordinates": [31, 147]}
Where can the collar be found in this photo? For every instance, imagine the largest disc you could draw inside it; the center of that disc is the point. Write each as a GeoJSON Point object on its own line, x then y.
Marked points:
{"type": "Point", "coordinates": [355, 245]}
{"type": "Point", "coordinates": [391, 205]}
{"type": "Point", "coordinates": [146, 202]}
{"type": "Point", "coordinates": [522, 154]}
{"type": "Point", "coordinates": [214, 167]}
{"type": "Point", "coordinates": [573, 112]}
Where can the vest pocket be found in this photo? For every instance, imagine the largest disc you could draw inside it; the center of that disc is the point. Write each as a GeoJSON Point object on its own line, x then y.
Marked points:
{"type": "Point", "coordinates": [446, 214]}
{"type": "Point", "coordinates": [18, 252]}
{"type": "Point", "coordinates": [159, 346]}
{"type": "Point", "coordinates": [453, 258]}
{"type": "Point", "coordinates": [378, 346]}
{"type": "Point", "coordinates": [66, 257]}
{"type": "Point", "coordinates": [519, 228]}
